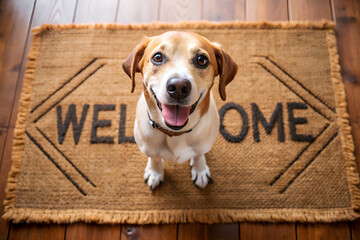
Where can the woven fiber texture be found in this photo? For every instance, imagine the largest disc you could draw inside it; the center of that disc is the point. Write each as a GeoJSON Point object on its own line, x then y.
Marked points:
{"type": "Point", "coordinates": [284, 151]}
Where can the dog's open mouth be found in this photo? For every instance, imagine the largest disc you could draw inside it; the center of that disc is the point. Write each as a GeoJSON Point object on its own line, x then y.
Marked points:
{"type": "Point", "coordinates": [176, 116]}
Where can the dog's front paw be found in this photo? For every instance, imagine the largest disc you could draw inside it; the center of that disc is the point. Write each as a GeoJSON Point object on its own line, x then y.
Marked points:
{"type": "Point", "coordinates": [201, 178]}
{"type": "Point", "coordinates": [153, 178]}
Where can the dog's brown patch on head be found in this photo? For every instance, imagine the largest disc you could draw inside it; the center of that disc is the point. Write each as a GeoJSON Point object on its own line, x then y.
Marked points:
{"type": "Point", "coordinates": [208, 47]}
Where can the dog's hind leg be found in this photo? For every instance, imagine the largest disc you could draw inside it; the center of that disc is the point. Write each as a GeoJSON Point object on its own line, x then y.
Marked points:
{"type": "Point", "coordinates": [200, 172]}
{"type": "Point", "coordinates": [154, 172]}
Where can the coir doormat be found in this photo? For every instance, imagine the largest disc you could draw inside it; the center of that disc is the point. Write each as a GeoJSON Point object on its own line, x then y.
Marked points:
{"type": "Point", "coordinates": [284, 151]}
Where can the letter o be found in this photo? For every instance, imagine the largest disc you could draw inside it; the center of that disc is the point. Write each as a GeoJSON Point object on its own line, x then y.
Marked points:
{"type": "Point", "coordinates": [245, 126]}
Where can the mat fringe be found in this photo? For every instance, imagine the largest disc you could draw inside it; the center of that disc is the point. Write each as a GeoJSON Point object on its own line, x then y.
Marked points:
{"type": "Point", "coordinates": [184, 216]}
{"type": "Point", "coordinates": [19, 131]}
{"type": "Point", "coordinates": [320, 25]}
{"type": "Point", "coordinates": [344, 122]}
{"type": "Point", "coordinates": [209, 216]}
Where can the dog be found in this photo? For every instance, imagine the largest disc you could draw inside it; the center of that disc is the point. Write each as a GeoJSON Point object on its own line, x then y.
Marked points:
{"type": "Point", "coordinates": [176, 115]}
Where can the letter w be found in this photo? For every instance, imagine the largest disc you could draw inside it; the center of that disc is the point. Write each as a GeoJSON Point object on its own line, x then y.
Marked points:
{"type": "Point", "coordinates": [70, 117]}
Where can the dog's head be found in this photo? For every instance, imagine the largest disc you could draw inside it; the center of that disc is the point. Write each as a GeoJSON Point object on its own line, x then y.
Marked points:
{"type": "Point", "coordinates": [179, 70]}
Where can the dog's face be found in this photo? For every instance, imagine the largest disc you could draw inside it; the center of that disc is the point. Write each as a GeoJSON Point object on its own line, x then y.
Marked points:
{"type": "Point", "coordinates": [179, 70]}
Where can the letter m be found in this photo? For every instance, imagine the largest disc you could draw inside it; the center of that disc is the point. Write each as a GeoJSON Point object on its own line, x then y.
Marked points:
{"type": "Point", "coordinates": [277, 116]}
{"type": "Point", "coordinates": [70, 117]}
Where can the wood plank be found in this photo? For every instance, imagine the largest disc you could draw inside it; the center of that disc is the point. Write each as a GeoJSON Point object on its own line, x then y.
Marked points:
{"type": "Point", "coordinates": [180, 10]}
{"type": "Point", "coordinates": [269, 10]}
{"type": "Point", "coordinates": [309, 10]}
{"type": "Point", "coordinates": [143, 11]}
{"type": "Point", "coordinates": [137, 11]}
{"type": "Point", "coordinates": [15, 17]}
{"type": "Point", "coordinates": [54, 12]}
{"type": "Point", "coordinates": [266, 10]}
{"type": "Point", "coordinates": [191, 231]}
{"type": "Point", "coordinates": [94, 11]}
{"type": "Point", "coordinates": [267, 231]}
{"type": "Point", "coordinates": [4, 171]}
{"type": "Point", "coordinates": [323, 231]}
{"type": "Point", "coordinates": [160, 232]}
{"type": "Point", "coordinates": [315, 10]}
{"type": "Point", "coordinates": [49, 12]}
{"type": "Point", "coordinates": [221, 231]}
{"type": "Point", "coordinates": [79, 231]}
{"type": "Point", "coordinates": [37, 231]}
{"type": "Point", "coordinates": [224, 10]}
{"type": "Point", "coordinates": [14, 23]}
{"type": "Point", "coordinates": [132, 12]}
{"type": "Point", "coordinates": [355, 232]}
{"type": "Point", "coordinates": [172, 11]}
{"type": "Point", "coordinates": [348, 35]}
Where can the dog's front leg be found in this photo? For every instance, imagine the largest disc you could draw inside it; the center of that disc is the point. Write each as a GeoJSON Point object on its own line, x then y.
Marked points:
{"type": "Point", "coordinates": [200, 172]}
{"type": "Point", "coordinates": [154, 172]}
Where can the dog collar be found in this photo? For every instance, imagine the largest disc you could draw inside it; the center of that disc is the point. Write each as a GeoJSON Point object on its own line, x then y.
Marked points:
{"type": "Point", "coordinates": [167, 132]}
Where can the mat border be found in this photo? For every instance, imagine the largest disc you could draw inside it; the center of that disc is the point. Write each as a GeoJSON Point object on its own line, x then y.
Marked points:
{"type": "Point", "coordinates": [184, 216]}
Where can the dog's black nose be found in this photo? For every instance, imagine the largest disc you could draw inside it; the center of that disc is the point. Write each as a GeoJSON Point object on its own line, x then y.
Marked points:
{"type": "Point", "coordinates": [178, 88]}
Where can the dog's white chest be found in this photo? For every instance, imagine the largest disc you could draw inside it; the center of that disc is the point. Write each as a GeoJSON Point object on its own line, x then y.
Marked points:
{"type": "Point", "coordinates": [181, 151]}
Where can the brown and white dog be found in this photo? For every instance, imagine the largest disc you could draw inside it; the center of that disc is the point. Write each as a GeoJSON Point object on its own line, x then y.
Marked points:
{"type": "Point", "coordinates": [176, 115]}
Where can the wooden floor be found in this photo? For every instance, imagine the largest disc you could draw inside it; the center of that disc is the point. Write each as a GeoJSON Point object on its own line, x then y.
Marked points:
{"type": "Point", "coordinates": [17, 17]}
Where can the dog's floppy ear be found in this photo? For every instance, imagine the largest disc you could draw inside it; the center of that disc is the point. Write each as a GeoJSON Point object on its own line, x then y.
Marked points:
{"type": "Point", "coordinates": [131, 64]}
{"type": "Point", "coordinates": [227, 69]}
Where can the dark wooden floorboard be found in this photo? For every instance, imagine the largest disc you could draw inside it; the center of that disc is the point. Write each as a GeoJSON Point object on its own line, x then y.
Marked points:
{"type": "Point", "coordinates": [15, 18]}
{"type": "Point", "coordinates": [5, 168]}
{"type": "Point", "coordinates": [143, 11]}
{"type": "Point", "coordinates": [316, 10]}
{"type": "Point", "coordinates": [219, 10]}
{"type": "Point", "coordinates": [37, 231]}
{"type": "Point", "coordinates": [266, 10]}
{"type": "Point", "coordinates": [347, 15]}
{"type": "Point", "coordinates": [228, 231]}
{"type": "Point", "coordinates": [14, 23]}
{"type": "Point", "coordinates": [180, 10]}
{"type": "Point", "coordinates": [324, 231]}
{"type": "Point", "coordinates": [224, 10]}
{"type": "Point", "coordinates": [355, 232]}
{"type": "Point", "coordinates": [254, 231]}
{"type": "Point", "coordinates": [55, 12]}
{"type": "Point", "coordinates": [83, 231]}
{"type": "Point", "coordinates": [95, 11]}
{"type": "Point", "coordinates": [309, 10]}
{"type": "Point", "coordinates": [171, 11]}
{"type": "Point", "coordinates": [270, 10]}
{"type": "Point", "coordinates": [190, 231]}
{"type": "Point", "coordinates": [137, 11]}
{"type": "Point", "coordinates": [149, 232]}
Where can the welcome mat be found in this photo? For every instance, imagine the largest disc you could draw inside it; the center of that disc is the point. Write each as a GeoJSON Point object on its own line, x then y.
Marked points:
{"type": "Point", "coordinates": [284, 151]}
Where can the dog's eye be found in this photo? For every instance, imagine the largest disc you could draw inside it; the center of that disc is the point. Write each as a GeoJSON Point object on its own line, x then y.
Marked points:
{"type": "Point", "coordinates": [157, 58]}
{"type": "Point", "coordinates": [201, 61]}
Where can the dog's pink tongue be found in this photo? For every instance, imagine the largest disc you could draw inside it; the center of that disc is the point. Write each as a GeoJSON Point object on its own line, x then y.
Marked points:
{"type": "Point", "coordinates": [175, 115]}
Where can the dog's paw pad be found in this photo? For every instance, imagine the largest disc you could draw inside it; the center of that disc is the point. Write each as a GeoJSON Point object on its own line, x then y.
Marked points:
{"type": "Point", "coordinates": [153, 178]}
{"type": "Point", "coordinates": [201, 178]}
